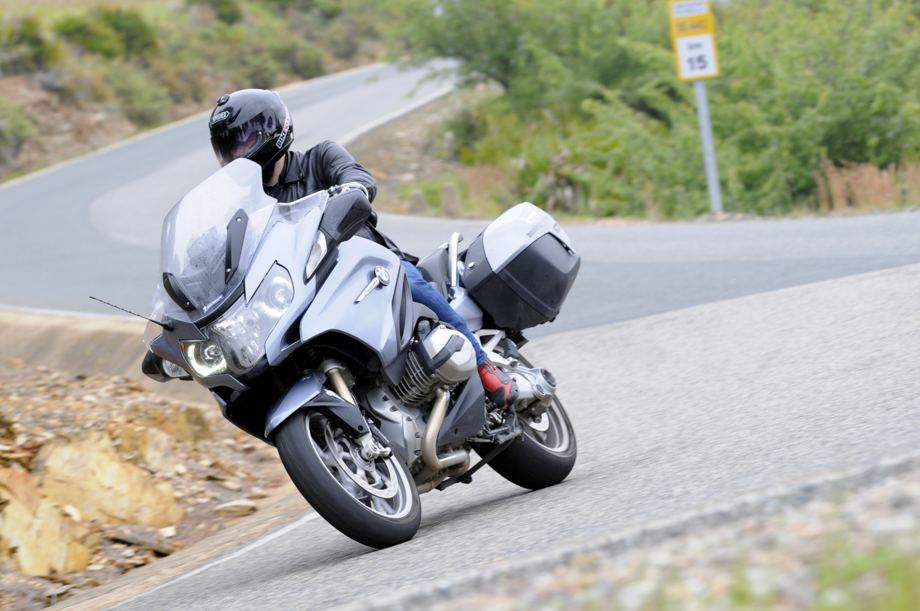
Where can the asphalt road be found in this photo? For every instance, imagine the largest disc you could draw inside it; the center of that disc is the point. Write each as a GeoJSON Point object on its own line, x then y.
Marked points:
{"type": "Point", "coordinates": [672, 411]}
{"type": "Point", "coordinates": [92, 227]}
{"type": "Point", "coordinates": [674, 408]}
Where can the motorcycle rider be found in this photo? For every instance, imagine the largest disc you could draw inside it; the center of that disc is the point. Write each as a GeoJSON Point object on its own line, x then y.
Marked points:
{"type": "Point", "coordinates": [255, 124]}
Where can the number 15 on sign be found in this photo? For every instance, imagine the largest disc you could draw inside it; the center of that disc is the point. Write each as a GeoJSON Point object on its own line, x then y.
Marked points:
{"type": "Point", "coordinates": [693, 33]}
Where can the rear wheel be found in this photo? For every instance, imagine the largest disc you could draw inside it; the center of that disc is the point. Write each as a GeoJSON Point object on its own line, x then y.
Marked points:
{"type": "Point", "coordinates": [374, 502]}
{"type": "Point", "coordinates": [543, 455]}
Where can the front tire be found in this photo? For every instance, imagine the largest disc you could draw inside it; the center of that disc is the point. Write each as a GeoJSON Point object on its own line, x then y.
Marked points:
{"type": "Point", "coordinates": [538, 458]}
{"type": "Point", "coordinates": [373, 502]}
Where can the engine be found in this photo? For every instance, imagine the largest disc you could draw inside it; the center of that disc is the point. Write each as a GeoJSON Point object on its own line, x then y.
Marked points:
{"type": "Point", "coordinates": [444, 357]}
{"type": "Point", "coordinates": [536, 389]}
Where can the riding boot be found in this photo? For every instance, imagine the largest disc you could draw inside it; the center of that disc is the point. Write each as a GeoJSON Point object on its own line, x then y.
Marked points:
{"type": "Point", "coordinates": [500, 389]}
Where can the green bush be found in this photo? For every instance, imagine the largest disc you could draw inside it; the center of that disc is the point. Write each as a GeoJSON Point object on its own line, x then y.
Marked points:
{"type": "Point", "coordinates": [343, 38]}
{"type": "Point", "coordinates": [24, 48]}
{"type": "Point", "coordinates": [227, 11]}
{"type": "Point", "coordinates": [298, 57]}
{"type": "Point", "coordinates": [137, 37]}
{"type": "Point", "coordinates": [143, 100]}
{"type": "Point", "coordinates": [15, 128]}
{"type": "Point", "coordinates": [592, 118]}
{"type": "Point", "coordinates": [87, 32]}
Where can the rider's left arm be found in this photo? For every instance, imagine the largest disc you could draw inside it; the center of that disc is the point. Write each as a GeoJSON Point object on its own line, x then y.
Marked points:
{"type": "Point", "coordinates": [339, 167]}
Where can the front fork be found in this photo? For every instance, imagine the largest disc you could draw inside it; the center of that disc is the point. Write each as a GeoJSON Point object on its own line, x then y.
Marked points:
{"type": "Point", "coordinates": [371, 448]}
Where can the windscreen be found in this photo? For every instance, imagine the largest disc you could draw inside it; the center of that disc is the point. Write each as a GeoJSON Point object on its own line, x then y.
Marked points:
{"type": "Point", "coordinates": [194, 243]}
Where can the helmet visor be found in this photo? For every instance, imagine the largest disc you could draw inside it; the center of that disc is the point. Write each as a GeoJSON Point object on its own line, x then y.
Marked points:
{"type": "Point", "coordinates": [242, 140]}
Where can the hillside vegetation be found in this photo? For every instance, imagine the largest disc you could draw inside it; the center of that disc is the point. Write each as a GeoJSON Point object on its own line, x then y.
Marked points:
{"type": "Point", "coordinates": [151, 62]}
{"type": "Point", "coordinates": [818, 105]}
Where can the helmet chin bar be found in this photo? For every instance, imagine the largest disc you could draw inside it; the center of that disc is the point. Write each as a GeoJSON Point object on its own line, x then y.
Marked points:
{"type": "Point", "coordinates": [268, 170]}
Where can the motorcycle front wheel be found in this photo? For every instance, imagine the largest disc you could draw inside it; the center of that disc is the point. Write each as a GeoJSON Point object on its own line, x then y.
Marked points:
{"type": "Point", "coordinates": [373, 502]}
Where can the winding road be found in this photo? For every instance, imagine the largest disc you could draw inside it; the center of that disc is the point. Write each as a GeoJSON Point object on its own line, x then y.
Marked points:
{"type": "Point", "coordinates": [698, 361]}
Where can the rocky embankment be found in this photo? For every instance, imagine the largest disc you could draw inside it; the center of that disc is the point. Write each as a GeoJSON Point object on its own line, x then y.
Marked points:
{"type": "Point", "coordinates": [98, 477]}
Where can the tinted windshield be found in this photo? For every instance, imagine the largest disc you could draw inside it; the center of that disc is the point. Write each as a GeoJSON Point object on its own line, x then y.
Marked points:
{"type": "Point", "coordinates": [194, 242]}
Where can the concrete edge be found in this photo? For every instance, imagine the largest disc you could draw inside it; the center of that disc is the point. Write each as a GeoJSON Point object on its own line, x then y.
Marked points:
{"type": "Point", "coordinates": [766, 503]}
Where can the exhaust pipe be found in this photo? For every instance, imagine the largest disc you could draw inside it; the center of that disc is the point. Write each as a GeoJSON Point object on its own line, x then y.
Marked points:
{"type": "Point", "coordinates": [433, 462]}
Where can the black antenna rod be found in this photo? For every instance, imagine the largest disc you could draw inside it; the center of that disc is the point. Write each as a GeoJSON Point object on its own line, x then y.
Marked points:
{"type": "Point", "coordinates": [166, 326]}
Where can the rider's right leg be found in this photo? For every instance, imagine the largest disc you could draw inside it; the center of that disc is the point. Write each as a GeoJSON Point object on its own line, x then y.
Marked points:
{"type": "Point", "coordinates": [500, 388]}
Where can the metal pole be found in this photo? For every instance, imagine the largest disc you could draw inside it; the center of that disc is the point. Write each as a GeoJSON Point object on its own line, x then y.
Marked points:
{"type": "Point", "coordinates": [709, 149]}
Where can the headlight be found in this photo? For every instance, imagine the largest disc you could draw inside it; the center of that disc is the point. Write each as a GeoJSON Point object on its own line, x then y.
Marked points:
{"type": "Point", "coordinates": [173, 370]}
{"type": "Point", "coordinates": [206, 358]}
{"type": "Point", "coordinates": [237, 340]}
{"type": "Point", "coordinates": [317, 254]}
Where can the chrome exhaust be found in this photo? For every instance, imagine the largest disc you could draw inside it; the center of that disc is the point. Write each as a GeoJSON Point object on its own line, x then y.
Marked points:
{"type": "Point", "coordinates": [434, 463]}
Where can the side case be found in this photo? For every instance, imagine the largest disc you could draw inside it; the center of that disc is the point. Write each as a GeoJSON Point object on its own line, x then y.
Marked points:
{"type": "Point", "coordinates": [521, 268]}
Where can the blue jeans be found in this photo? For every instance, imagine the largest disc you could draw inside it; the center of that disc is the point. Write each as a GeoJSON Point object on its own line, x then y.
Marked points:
{"type": "Point", "coordinates": [428, 296]}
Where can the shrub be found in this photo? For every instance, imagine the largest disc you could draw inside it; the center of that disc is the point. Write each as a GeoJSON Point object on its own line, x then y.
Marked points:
{"type": "Point", "coordinates": [85, 31]}
{"type": "Point", "coordinates": [594, 120]}
{"type": "Point", "coordinates": [143, 100]}
{"type": "Point", "coordinates": [24, 48]}
{"type": "Point", "coordinates": [343, 38]}
{"type": "Point", "coordinates": [227, 11]}
{"type": "Point", "coordinates": [299, 57]}
{"type": "Point", "coordinates": [137, 37]}
{"type": "Point", "coordinates": [15, 128]}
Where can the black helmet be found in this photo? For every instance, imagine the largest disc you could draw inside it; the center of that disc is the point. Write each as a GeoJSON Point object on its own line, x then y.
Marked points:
{"type": "Point", "coordinates": [252, 123]}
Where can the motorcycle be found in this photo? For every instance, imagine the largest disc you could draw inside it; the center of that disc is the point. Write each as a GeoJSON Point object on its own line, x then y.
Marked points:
{"type": "Point", "coordinates": [309, 340]}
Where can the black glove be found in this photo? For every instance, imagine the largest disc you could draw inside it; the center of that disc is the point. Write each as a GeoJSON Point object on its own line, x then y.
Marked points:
{"type": "Point", "coordinates": [348, 186]}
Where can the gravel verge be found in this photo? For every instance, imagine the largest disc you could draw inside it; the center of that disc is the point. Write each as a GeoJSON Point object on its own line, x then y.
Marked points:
{"type": "Point", "coordinates": [764, 546]}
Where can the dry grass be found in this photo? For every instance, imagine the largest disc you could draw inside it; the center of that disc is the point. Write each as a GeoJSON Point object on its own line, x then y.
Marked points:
{"type": "Point", "coordinates": [866, 187]}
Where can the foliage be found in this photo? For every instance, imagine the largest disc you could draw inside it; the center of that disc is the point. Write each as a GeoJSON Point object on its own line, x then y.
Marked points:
{"type": "Point", "coordinates": [15, 128]}
{"type": "Point", "coordinates": [145, 102]}
{"type": "Point", "coordinates": [93, 36]}
{"type": "Point", "coordinates": [110, 32]}
{"type": "Point", "coordinates": [227, 11]}
{"type": "Point", "coordinates": [136, 35]}
{"type": "Point", "coordinates": [592, 118]}
{"type": "Point", "coordinates": [24, 48]}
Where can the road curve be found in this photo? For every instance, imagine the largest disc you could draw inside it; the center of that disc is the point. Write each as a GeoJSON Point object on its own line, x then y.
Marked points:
{"type": "Point", "coordinates": [91, 227]}
{"type": "Point", "coordinates": [716, 385]}
{"type": "Point", "coordinates": [672, 411]}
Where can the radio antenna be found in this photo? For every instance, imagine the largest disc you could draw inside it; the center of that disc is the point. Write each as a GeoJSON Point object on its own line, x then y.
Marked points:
{"type": "Point", "coordinates": [166, 326]}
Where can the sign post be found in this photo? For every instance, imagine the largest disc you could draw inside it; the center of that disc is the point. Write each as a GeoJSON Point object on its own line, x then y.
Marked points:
{"type": "Point", "coordinates": [697, 59]}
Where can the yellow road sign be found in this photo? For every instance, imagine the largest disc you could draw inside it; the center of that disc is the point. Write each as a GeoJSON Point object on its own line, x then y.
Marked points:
{"type": "Point", "coordinates": [694, 35]}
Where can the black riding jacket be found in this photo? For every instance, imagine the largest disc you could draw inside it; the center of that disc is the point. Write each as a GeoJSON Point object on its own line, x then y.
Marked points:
{"type": "Point", "coordinates": [326, 165]}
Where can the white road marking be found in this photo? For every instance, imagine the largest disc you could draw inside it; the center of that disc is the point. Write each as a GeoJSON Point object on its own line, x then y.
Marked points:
{"type": "Point", "coordinates": [254, 545]}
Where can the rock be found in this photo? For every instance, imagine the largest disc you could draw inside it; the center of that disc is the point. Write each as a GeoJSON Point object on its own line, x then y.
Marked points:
{"type": "Point", "coordinates": [257, 493]}
{"type": "Point", "coordinates": [42, 542]}
{"type": "Point", "coordinates": [158, 453]}
{"type": "Point", "coordinates": [232, 485]}
{"type": "Point", "coordinates": [90, 477]}
{"type": "Point", "coordinates": [141, 537]}
{"type": "Point", "coordinates": [185, 424]}
{"type": "Point", "coordinates": [450, 201]}
{"type": "Point", "coordinates": [168, 533]}
{"type": "Point", "coordinates": [417, 203]}
{"type": "Point", "coordinates": [72, 513]}
{"type": "Point", "coordinates": [19, 484]}
{"type": "Point", "coordinates": [241, 507]}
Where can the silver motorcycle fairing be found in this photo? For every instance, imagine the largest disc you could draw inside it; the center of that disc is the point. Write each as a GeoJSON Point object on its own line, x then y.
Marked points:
{"type": "Point", "coordinates": [309, 393]}
{"type": "Point", "coordinates": [383, 320]}
{"type": "Point", "coordinates": [289, 246]}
